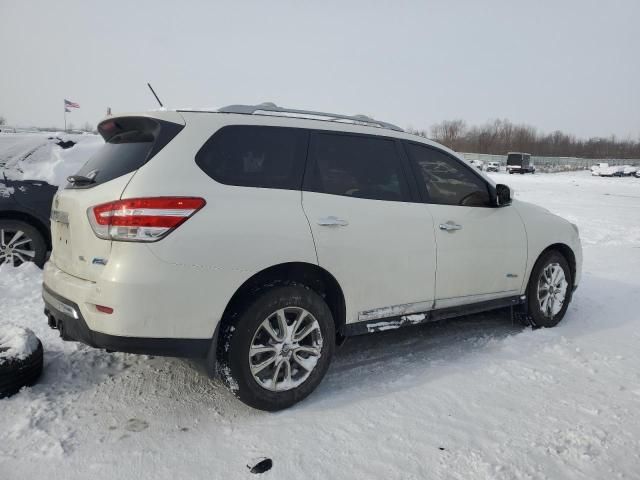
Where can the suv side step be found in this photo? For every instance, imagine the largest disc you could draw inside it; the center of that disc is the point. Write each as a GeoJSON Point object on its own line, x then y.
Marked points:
{"type": "Point", "coordinates": [392, 323]}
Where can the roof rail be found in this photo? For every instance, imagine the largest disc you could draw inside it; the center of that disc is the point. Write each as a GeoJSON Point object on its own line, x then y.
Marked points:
{"type": "Point", "coordinates": [272, 108]}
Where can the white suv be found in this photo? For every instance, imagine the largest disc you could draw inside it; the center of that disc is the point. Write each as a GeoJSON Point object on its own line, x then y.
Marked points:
{"type": "Point", "coordinates": [257, 238]}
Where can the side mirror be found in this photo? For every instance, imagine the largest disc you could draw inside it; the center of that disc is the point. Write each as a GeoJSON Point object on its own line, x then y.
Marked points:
{"type": "Point", "coordinates": [503, 195]}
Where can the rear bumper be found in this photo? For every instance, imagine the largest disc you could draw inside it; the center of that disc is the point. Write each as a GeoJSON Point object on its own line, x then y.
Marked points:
{"type": "Point", "coordinates": [65, 315]}
{"type": "Point", "coordinates": [150, 298]}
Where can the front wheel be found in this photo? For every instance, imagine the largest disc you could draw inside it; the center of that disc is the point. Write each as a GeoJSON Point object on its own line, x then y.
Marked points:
{"type": "Point", "coordinates": [550, 289]}
{"type": "Point", "coordinates": [278, 349]}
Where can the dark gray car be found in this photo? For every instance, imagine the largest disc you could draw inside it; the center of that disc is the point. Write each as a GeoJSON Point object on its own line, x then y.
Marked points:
{"type": "Point", "coordinates": [25, 206]}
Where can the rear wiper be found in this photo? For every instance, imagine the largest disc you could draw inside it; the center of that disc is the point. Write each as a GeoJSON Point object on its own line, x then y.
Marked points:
{"type": "Point", "coordinates": [81, 180]}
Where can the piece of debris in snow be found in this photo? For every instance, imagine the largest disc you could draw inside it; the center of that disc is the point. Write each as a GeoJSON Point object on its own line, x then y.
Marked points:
{"type": "Point", "coordinates": [260, 465]}
{"type": "Point", "coordinates": [65, 143]}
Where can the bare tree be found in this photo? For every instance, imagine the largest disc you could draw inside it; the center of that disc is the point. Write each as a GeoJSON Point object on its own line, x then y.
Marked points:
{"type": "Point", "coordinates": [2, 120]}
{"type": "Point", "coordinates": [502, 136]}
{"type": "Point", "coordinates": [449, 132]}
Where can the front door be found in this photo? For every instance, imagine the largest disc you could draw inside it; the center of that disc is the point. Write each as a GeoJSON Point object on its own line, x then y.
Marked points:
{"type": "Point", "coordinates": [481, 249]}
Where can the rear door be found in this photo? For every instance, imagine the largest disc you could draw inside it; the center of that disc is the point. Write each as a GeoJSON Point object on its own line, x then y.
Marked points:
{"type": "Point", "coordinates": [514, 161]}
{"type": "Point", "coordinates": [481, 248]}
{"type": "Point", "coordinates": [377, 244]}
{"type": "Point", "coordinates": [129, 143]}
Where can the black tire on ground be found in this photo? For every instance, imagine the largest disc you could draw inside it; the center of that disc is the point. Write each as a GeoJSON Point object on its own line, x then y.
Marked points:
{"type": "Point", "coordinates": [537, 317]}
{"type": "Point", "coordinates": [36, 242]}
{"type": "Point", "coordinates": [15, 373]}
{"type": "Point", "coordinates": [236, 337]}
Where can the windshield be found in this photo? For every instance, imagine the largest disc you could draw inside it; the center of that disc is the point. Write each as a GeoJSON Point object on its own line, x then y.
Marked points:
{"type": "Point", "coordinates": [129, 143]}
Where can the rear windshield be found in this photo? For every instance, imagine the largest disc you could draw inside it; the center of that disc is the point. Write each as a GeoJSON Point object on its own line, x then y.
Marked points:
{"type": "Point", "coordinates": [129, 143]}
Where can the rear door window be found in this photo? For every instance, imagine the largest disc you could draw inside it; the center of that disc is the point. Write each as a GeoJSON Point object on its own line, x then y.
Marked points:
{"type": "Point", "coordinates": [447, 181]}
{"type": "Point", "coordinates": [129, 143]}
{"type": "Point", "coordinates": [255, 156]}
{"type": "Point", "coordinates": [358, 166]}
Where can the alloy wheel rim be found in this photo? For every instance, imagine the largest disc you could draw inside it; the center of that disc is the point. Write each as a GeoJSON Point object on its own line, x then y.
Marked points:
{"type": "Point", "coordinates": [285, 349]}
{"type": "Point", "coordinates": [552, 290]}
{"type": "Point", "coordinates": [16, 247]}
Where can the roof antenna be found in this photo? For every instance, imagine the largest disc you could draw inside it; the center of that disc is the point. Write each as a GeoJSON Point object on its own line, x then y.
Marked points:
{"type": "Point", "coordinates": [154, 94]}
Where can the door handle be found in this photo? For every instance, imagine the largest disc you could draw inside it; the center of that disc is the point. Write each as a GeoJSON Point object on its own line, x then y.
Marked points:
{"type": "Point", "coordinates": [332, 221]}
{"type": "Point", "coordinates": [450, 226]}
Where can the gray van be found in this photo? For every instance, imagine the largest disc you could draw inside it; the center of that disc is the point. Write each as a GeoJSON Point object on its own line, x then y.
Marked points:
{"type": "Point", "coordinates": [518, 162]}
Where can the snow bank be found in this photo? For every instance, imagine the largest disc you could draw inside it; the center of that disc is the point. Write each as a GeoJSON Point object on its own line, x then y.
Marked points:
{"type": "Point", "coordinates": [63, 162]}
{"type": "Point", "coordinates": [16, 342]}
{"type": "Point", "coordinates": [37, 156]}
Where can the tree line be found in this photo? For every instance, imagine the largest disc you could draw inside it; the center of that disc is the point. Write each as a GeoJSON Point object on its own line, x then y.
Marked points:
{"type": "Point", "coordinates": [87, 127]}
{"type": "Point", "coordinates": [501, 136]}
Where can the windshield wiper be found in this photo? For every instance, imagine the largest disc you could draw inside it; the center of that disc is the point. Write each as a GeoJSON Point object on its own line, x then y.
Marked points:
{"type": "Point", "coordinates": [81, 180]}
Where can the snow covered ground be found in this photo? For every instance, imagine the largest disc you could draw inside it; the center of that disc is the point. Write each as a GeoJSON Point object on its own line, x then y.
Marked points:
{"type": "Point", "coordinates": [474, 398]}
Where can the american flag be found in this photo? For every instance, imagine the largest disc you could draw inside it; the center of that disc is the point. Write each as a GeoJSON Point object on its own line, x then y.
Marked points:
{"type": "Point", "coordinates": [70, 104]}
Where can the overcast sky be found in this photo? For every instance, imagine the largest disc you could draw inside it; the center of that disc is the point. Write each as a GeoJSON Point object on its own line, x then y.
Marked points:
{"type": "Point", "coordinates": [568, 65]}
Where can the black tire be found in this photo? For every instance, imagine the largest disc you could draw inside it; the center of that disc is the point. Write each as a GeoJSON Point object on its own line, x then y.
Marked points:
{"type": "Point", "coordinates": [237, 335]}
{"type": "Point", "coordinates": [537, 317]}
{"type": "Point", "coordinates": [36, 242]}
{"type": "Point", "coordinates": [15, 374]}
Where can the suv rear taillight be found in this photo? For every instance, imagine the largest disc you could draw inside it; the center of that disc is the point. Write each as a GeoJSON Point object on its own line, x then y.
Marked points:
{"type": "Point", "coordinates": [142, 219]}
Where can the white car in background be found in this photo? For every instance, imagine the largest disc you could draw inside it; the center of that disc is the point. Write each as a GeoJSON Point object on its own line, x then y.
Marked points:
{"type": "Point", "coordinates": [493, 167]}
{"type": "Point", "coordinates": [479, 164]}
{"type": "Point", "coordinates": [257, 240]}
{"type": "Point", "coordinates": [612, 171]}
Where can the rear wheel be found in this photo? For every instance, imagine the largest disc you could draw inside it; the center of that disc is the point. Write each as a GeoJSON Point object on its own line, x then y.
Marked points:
{"type": "Point", "coordinates": [278, 349]}
{"type": "Point", "coordinates": [20, 242]}
{"type": "Point", "coordinates": [550, 289]}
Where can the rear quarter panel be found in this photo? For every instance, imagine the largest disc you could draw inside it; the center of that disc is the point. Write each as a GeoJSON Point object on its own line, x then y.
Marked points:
{"type": "Point", "coordinates": [238, 233]}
